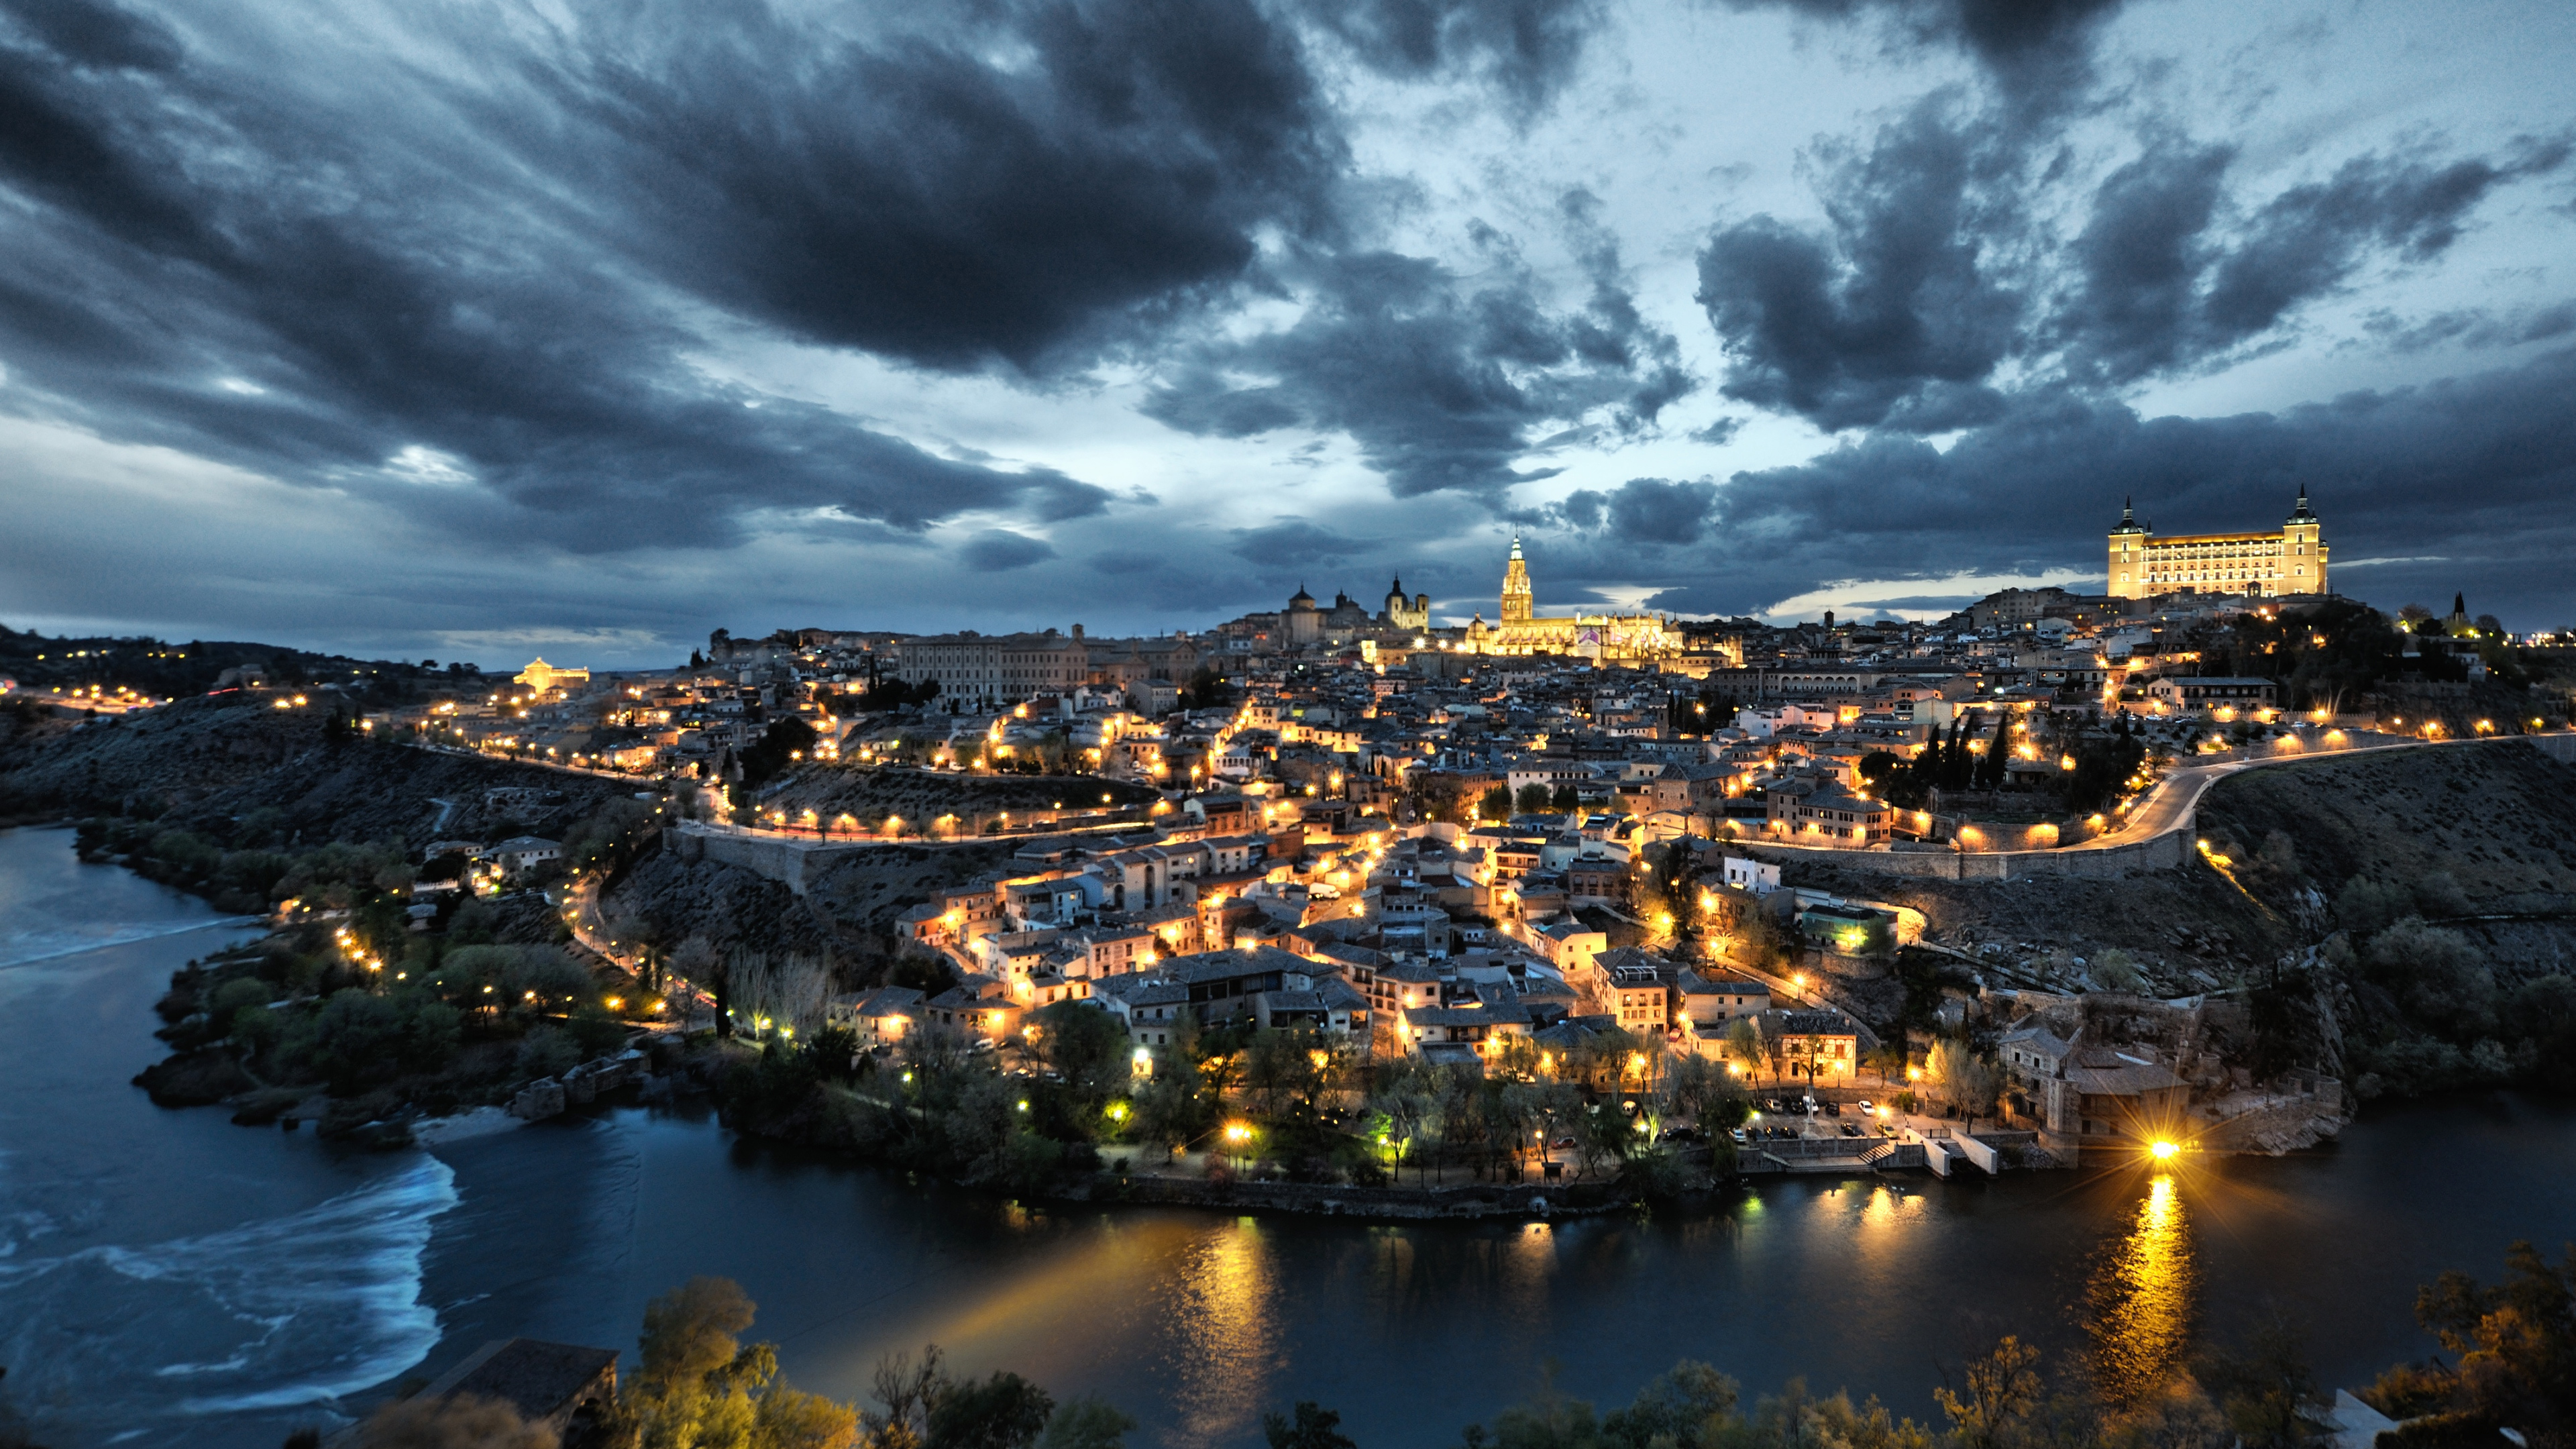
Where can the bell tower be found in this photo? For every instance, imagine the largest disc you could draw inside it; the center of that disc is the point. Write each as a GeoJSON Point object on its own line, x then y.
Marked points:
{"type": "Point", "coordinates": [1516, 586]}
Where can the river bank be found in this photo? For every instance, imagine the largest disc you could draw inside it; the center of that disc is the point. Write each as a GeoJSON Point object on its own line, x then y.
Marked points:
{"type": "Point", "coordinates": [291, 1281]}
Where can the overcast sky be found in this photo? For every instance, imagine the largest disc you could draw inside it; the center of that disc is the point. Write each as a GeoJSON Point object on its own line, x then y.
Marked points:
{"type": "Point", "coordinates": [477, 330]}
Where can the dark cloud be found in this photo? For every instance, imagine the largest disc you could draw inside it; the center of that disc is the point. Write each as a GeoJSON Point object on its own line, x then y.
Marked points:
{"type": "Point", "coordinates": [1292, 541]}
{"type": "Point", "coordinates": [2471, 327]}
{"type": "Point", "coordinates": [174, 279]}
{"type": "Point", "coordinates": [1897, 316]}
{"type": "Point", "coordinates": [1526, 48]}
{"type": "Point", "coordinates": [2305, 241]}
{"type": "Point", "coordinates": [2161, 286]}
{"type": "Point", "coordinates": [1441, 380]}
{"type": "Point", "coordinates": [1644, 512]}
{"type": "Point", "coordinates": [1719, 432]}
{"type": "Point", "coordinates": [2039, 53]}
{"type": "Point", "coordinates": [2140, 258]}
{"type": "Point", "coordinates": [998, 550]}
{"type": "Point", "coordinates": [1039, 180]}
{"type": "Point", "coordinates": [87, 34]}
{"type": "Point", "coordinates": [1933, 273]}
{"type": "Point", "coordinates": [2470, 470]}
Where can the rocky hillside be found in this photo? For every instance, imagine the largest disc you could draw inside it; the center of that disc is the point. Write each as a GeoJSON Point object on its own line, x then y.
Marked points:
{"type": "Point", "coordinates": [201, 763]}
{"type": "Point", "coordinates": [2406, 920]}
{"type": "Point", "coordinates": [2498, 820]}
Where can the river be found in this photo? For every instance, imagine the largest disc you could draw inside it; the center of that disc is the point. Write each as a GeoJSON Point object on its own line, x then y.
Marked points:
{"type": "Point", "coordinates": [167, 1278]}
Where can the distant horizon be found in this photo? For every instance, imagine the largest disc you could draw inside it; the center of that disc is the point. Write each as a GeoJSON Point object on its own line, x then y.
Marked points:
{"type": "Point", "coordinates": [390, 331]}
{"type": "Point", "coordinates": [1918, 611]}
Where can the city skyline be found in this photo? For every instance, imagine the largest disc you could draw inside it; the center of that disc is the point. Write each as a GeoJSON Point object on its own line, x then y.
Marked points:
{"type": "Point", "coordinates": [487, 333]}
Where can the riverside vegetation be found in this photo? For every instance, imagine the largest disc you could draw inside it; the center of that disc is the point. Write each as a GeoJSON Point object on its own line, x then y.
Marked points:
{"type": "Point", "coordinates": [349, 1016]}
{"type": "Point", "coordinates": [2510, 1365]}
{"type": "Point", "coordinates": [1288, 1105]}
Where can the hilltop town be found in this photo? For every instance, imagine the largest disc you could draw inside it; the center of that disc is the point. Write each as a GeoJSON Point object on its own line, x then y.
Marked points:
{"type": "Point", "coordinates": [1969, 891]}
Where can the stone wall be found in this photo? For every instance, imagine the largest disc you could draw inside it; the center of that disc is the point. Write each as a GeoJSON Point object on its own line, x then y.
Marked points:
{"type": "Point", "coordinates": [2287, 1125]}
{"type": "Point", "coordinates": [2163, 852]}
{"type": "Point", "coordinates": [790, 863]}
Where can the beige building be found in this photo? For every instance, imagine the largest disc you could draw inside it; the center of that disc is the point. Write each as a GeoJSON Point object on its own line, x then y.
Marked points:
{"type": "Point", "coordinates": [2291, 561]}
{"type": "Point", "coordinates": [543, 677]}
{"type": "Point", "coordinates": [1625, 637]}
{"type": "Point", "coordinates": [994, 668]}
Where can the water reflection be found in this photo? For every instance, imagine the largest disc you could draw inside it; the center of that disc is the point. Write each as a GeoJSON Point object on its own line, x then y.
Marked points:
{"type": "Point", "coordinates": [2142, 1298]}
{"type": "Point", "coordinates": [1224, 1334]}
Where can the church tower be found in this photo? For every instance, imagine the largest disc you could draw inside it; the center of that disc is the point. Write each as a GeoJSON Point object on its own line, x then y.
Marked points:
{"type": "Point", "coordinates": [1516, 586]}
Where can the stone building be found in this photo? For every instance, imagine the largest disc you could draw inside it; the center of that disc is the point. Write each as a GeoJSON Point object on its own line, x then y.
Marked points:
{"type": "Point", "coordinates": [2144, 565]}
{"type": "Point", "coordinates": [1626, 638]}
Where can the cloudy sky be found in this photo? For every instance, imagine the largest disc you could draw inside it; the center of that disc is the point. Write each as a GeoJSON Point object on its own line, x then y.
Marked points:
{"type": "Point", "coordinates": [472, 330]}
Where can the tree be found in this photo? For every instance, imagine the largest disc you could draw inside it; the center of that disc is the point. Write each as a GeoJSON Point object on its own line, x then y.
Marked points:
{"type": "Point", "coordinates": [2516, 1342]}
{"type": "Point", "coordinates": [1001, 1412]}
{"type": "Point", "coordinates": [2002, 1390]}
{"type": "Point", "coordinates": [1087, 1424]}
{"type": "Point", "coordinates": [1169, 1111]}
{"type": "Point", "coordinates": [1495, 803]}
{"type": "Point", "coordinates": [1086, 1046]}
{"type": "Point", "coordinates": [1314, 1427]}
{"type": "Point", "coordinates": [699, 1387]}
{"type": "Point", "coordinates": [453, 1422]}
{"type": "Point", "coordinates": [2260, 1386]}
{"type": "Point", "coordinates": [1744, 1042]}
{"type": "Point", "coordinates": [1533, 799]}
{"type": "Point", "coordinates": [1564, 799]}
{"type": "Point", "coordinates": [1989, 768]}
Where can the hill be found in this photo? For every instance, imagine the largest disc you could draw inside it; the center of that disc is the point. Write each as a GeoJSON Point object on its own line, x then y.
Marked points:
{"type": "Point", "coordinates": [227, 764]}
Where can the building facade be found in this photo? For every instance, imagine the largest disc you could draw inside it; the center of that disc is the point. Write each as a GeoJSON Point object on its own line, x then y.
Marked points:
{"type": "Point", "coordinates": [995, 667]}
{"type": "Point", "coordinates": [2144, 565]}
{"type": "Point", "coordinates": [1631, 638]}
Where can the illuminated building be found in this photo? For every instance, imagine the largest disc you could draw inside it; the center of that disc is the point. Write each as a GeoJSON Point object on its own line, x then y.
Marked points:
{"type": "Point", "coordinates": [2144, 565]}
{"type": "Point", "coordinates": [543, 677]}
{"type": "Point", "coordinates": [1607, 637]}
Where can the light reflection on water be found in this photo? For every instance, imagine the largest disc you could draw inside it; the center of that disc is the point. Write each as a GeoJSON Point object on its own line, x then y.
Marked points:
{"type": "Point", "coordinates": [2143, 1297]}
{"type": "Point", "coordinates": [1226, 1333]}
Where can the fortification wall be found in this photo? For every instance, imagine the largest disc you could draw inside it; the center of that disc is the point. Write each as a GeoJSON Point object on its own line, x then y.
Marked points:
{"type": "Point", "coordinates": [2162, 852]}
{"type": "Point", "coordinates": [790, 863]}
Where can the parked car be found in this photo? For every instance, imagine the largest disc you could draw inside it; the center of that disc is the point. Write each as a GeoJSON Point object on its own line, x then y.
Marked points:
{"type": "Point", "coordinates": [1851, 1129]}
{"type": "Point", "coordinates": [1833, 1109]}
{"type": "Point", "coordinates": [1863, 1104]}
{"type": "Point", "coordinates": [1739, 1136]}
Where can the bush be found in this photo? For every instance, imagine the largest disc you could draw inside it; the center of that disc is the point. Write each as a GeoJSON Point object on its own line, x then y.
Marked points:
{"type": "Point", "coordinates": [547, 1052]}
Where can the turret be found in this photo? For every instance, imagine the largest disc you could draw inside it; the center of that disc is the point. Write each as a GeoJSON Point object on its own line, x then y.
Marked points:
{"type": "Point", "coordinates": [2126, 575]}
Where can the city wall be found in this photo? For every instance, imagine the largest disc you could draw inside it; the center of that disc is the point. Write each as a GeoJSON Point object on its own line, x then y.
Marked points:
{"type": "Point", "coordinates": [790, 863]}
{"type": "Point", "coordinates": [2162, 852]}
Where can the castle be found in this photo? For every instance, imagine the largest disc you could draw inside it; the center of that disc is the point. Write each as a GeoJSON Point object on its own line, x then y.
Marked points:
{"type": "Point", "coordinates": [2291, 561]}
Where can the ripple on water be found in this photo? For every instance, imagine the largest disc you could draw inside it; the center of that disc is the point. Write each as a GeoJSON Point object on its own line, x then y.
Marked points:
{"type": "Point", "coordinates": [294, 1310]}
